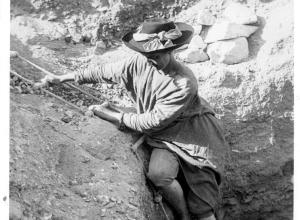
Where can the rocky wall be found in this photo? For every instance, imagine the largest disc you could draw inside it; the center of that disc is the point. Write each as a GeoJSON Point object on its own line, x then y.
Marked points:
{"type": "Point", "coordinates": [255, 100]}
{"type": "Point", "coordinates": [90, 21]}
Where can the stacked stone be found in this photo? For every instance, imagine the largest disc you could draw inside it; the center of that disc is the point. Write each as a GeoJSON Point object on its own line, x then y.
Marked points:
{"type": "Point", "coordinates": [224, 40]}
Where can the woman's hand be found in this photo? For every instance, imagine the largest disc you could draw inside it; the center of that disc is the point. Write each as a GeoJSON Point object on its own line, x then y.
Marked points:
{"type": "Point", "coordinates": [95, 108]}
{"type": "Point", "coordinates": [106, 112]}
{"type": "Point", "coordinates": [13, 54]}
{"type": "Point", "coordinates": [48, 80]}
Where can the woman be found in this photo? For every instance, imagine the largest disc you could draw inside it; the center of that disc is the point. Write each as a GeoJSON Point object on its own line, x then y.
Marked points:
{"type": "Point", "coordinates": [181, 128]}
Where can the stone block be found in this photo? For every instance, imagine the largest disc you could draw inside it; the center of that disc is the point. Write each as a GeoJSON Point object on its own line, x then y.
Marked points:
{"type": "Point", "coordinates": [224, 30]}
{"type": "Point", "coordinates": [229, 51]}
{"type": "Point", "coordinates": [240, 14]}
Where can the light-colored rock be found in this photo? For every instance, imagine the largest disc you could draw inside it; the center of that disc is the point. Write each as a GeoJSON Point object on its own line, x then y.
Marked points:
{"type": "Point", "coordinates": [226, 30]}
{"type": "Point", "coordinates": [240, 14]}
{"type": "Point", "coordinates": [192, 55]}
{"type": "Point", "coordinates": [197, 29]}
{"type": "Point", "coordinates": [205, 18]}
{"type": "Point", "coordinates": [229, 51]}
{"type": "Point", "coordinates": [197, 43]}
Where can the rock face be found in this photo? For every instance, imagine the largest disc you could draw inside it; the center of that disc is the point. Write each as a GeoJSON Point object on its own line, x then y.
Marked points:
{"type": "Point", "coordinates": [225, 30]}
{"type": "Point", "coordinates": [228, 51]}
{"type": "Point", "coordinates": [240, 14]}
{"type": "Point", "coordinates": [99, 18]}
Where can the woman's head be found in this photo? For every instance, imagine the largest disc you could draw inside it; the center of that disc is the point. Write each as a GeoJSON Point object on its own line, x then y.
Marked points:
{"type": "Point", "coordinates": [160, 60]}
{"type": "Point", "coordinates": [158, 37]}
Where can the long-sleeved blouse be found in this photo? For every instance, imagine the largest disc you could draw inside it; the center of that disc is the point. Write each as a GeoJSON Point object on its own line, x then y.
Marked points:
{"type": "Point", "coordinates": [169, 109]}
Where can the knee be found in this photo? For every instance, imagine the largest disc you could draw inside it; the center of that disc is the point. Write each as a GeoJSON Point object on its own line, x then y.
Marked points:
{"type": "Point", "coordinates": [159, 178]}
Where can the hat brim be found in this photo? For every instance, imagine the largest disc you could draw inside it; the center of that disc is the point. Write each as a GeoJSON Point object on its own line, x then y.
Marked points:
{"type": "Point", "coordinates": [186, 30]}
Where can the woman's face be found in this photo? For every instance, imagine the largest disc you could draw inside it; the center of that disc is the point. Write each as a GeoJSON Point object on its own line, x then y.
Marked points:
{"type": "Point", "coordinates": [159, 60]}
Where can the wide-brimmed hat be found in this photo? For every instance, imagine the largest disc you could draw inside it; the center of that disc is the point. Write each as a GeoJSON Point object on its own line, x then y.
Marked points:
{"type": "Point", "coordinates": [158, 36]}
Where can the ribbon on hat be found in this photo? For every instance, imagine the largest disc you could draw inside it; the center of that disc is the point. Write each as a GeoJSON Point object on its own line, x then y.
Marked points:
{"type": "Point", "coordinates": [155, 40]}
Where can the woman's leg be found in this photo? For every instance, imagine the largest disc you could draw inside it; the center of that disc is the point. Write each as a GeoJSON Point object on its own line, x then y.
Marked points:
{"type": "Point", "coordinates": [202, 202]}
{"type": "Point", "coordinates": [163, 170]}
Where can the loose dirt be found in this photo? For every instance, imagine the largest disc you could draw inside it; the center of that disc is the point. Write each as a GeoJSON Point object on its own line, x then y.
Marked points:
{"type": "Point", "coordinates": [83, 169]}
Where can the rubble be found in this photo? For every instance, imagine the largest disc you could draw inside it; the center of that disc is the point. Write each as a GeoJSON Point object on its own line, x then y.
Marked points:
{"type": "Point", "coordinates": [232, 25]}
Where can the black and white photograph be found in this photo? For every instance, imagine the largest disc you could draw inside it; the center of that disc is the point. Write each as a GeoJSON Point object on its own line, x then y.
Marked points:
{"type": "Point", "coordinates": [150, 110]}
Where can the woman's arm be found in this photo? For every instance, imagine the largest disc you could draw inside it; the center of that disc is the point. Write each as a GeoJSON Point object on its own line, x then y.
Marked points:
{"type": "Point", "coordinates": [67, 77]}
{"type": "Point", "coordinates": [118, 72]}
{"type": "Point", "coordinates": [171, 103]}
{"type": "Point", "coordinates": [55, 79]}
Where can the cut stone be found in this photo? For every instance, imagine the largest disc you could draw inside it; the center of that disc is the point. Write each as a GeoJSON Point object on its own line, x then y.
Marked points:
{"type": "Point", "coordinates": [240, 14]}
{"type": "Point", "coordinates": [192, 55]}
{"type": "Point", "coordinates": [197, 43]}
{"type": "Point", "coordinates": [229, 51]}
{"type": "Point", "coordinates": [226, 30]}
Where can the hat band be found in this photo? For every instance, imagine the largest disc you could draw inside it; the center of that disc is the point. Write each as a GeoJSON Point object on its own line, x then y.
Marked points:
{"type": "Point", "coordinates": [155, 40]}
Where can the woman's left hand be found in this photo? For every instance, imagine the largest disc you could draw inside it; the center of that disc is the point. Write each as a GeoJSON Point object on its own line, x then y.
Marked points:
{"type": "Point", "coordinates": [105, 112]}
